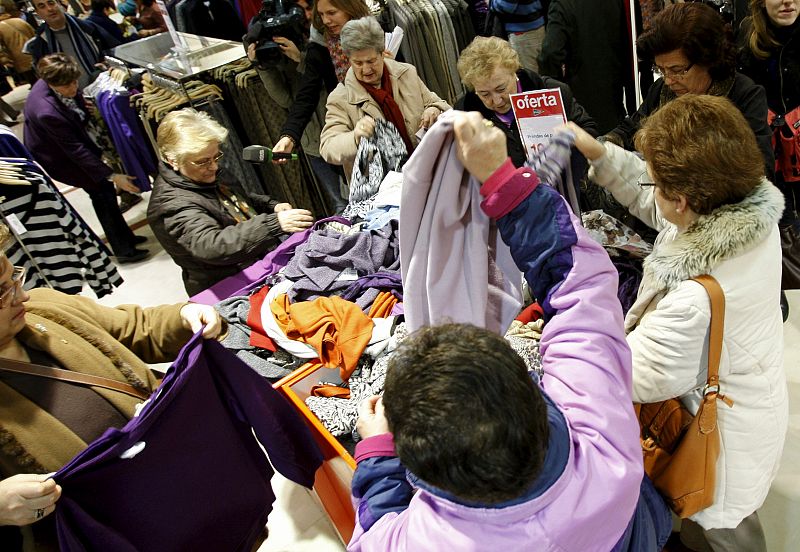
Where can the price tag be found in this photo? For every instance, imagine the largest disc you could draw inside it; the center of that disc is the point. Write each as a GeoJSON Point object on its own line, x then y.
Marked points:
{"type": "Point", "coordinates": [16, 225]}
{"type": "Point", "coordinates": [348, 275]}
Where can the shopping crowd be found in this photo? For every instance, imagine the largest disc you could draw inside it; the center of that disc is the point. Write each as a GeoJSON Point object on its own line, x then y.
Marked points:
{"type": "Point", "coordinates": [461, 443]}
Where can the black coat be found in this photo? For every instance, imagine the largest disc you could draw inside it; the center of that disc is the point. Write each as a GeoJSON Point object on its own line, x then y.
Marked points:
{"type": "Point", "coordinates": [779, 74]}
{"type": "Point", "coordinates": [587, 45]}
{"type": "Point", "coordinates": [318, 75]}
{"type": "Point", "coordinates": [531, 81]}
{"type": "Point", "coordinates": [740, 89]}
{"type": "Point", "coordinates": [193, 226]}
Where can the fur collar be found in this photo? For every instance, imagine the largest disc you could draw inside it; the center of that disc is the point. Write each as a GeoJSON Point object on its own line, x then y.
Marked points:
{"type": "Point", "coordinates": [726, 233]}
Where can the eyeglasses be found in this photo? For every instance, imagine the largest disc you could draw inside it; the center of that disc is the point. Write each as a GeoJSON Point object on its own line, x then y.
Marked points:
{"type": "Point", "coordinates": [10, 294]}
{"type": "Point", "coordinates": [207, 162]}
{"type": "Point", "coordinates": [644, 180]}
{"type": "Point", "coordinates": [672, 73]}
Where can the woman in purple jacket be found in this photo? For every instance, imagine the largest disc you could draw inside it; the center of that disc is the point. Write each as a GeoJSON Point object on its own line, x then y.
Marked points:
{"type": "Point", "coordinates": [500, 460]}
{"type": "Point", "coordinates": [58, 134]}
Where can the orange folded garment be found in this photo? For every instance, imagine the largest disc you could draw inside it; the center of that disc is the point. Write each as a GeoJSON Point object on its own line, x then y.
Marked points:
{"type": "Point", "coordinates": [334, 327]}
{"type": "Point", "coordinates": [382, 305]}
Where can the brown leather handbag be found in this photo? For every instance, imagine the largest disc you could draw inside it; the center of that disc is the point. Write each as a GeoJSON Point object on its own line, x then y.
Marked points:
{"type": "Point", "coordinates": [680, 450]}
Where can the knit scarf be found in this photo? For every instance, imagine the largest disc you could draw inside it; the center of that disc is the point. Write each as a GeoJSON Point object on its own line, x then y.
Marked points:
{"type": "Point", "coordinates": [341, 63]}
{"type": "Point", "coordinates": [85, 48]}
{"type": "Point", "coordinates": [385, 100]}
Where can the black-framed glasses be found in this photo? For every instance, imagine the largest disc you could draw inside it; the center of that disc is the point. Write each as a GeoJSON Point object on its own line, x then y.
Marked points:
{"type": "Point", "coordinates": [10, 294]}
{"type": "Point", "coordinates": [671, 72]}
{"type": "Point", "coordinates": [207, 162]}
{"type": "Point", "coordinates": [644, 180]}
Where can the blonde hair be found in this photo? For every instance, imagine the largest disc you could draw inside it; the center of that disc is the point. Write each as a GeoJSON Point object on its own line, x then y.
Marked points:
{"type": "Point", "coordinates": [485, 54]}
{"type": "Point", "coordinates": [5, 238]}
{"type": "Point", "coordinates": [187, 132]}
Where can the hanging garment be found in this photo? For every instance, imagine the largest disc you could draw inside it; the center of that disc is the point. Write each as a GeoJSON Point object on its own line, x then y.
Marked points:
{"type": "Point", "coordinates": [187, 473]}
{"type": "Point", "coordinates": [455, 266]}
{"type": "Point", "coordinates": [382, 152]}
{"type": "Point", "coordinates": [135, 152]}
{"type": "Point", "coordinates": [211, 18]}
{"type": "Point", "coordinates": [62, 252]}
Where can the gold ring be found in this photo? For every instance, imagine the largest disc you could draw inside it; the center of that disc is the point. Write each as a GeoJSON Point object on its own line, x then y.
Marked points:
{"type": "Point", "coordinates": [487, 123]}
{"type": "Point", "coordinates": [38, 514]}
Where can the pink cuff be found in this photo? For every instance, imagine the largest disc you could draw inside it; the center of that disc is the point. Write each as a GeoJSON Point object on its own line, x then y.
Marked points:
{"type": "Point", "coordinates": [377, 445]}
{"type": "Point", "coordinates": [506, 188]}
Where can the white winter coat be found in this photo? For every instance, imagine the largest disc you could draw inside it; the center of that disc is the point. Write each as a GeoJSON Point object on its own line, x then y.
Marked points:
{"type": "Point", "coordinates": [668, 328]}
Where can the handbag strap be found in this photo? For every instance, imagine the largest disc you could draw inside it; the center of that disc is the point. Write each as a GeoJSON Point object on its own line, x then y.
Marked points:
{"type": "Point", "coordinates": [717, 297]}
{"type": "Point", "coordinates": [31, 369]}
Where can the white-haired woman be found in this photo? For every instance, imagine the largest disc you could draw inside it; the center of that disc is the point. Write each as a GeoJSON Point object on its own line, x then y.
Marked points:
{"type": "Point", "coordinates": [208, 223]}
{"type": "Point", "coordinates": [374, 88]}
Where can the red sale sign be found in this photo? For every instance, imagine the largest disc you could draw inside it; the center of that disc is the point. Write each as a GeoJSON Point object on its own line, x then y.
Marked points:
{"type": "Point", "coordinates": [538, 113]}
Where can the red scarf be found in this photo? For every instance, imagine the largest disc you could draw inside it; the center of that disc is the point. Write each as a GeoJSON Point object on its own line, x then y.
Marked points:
{"type": "Point", "coordinates": [383, 96]}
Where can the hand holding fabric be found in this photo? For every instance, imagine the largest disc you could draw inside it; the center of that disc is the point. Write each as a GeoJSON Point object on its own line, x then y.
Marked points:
{"type": "Point", "coordinates": [585, 142]}
{"type": "Point", "coordinates": [429, 117]}
{"type": "Point", "coordinates": [481, 147]}
{"type": "Point", "coordinates": [295, 220]}
{"type": "Point", "coordinates": [371, 418]}
{"type": "Point", "coordinates": [195, 316]}
{"type": "Point", "coordinates": [26, 498]}
{"type": "Point", "coordinates": [365, 128]}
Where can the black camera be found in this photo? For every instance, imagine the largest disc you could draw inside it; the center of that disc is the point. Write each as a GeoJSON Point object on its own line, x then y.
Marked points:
{"type": "Point", "coordinates": [724, 7]}
{"type": "Point", "coordinates": [276, 18]}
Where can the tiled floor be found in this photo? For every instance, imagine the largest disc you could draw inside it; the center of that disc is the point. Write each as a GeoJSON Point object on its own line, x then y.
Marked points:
{"type": "Point", "coordinates": [298, 524]}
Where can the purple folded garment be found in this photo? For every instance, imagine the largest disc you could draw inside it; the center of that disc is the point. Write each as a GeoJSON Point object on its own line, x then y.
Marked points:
{"type": "Point", "coordinates": [251, 277]}
{"type": "Point", "coordinates": [187, 474]}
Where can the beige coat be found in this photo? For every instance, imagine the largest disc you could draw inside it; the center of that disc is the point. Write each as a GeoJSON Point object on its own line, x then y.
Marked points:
{"type": "Point", "coordinates": [350, 101]}
{"type": "Point", "coordinates": [14, 32]}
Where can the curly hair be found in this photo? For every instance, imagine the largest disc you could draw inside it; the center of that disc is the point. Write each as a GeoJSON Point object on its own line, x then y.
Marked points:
{"type": "Point", "coordinates": [465, 414]}
{"type": "Point", "coordinates": [698, 31]}
{"type": "Point", "coordinates": [483, 55]}
{"type": "Point", "coordinates": [701, 147]}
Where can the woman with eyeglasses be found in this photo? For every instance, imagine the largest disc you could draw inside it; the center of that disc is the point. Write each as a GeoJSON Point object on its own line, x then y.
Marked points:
{"type": "Point", "coordinates": [692, 52]}
{"type": "Point", "coordinates": [715, 212]}
{"type": "Point", "coordinates": [210, 226]}
{"type": "Point", "coordinates": [45, 422]}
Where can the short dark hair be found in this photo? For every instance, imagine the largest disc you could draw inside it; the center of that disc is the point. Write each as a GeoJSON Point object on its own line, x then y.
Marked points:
{"type": "Point", "coordinates": [702, 147]}
{"type": "Point", "coordinates": [100, 5]}
{"type": "Point", "coordinates": [698, 31]}
{"type": "Point", "coordinates": [465, 414]}
{"type": "Point", "coordinates": [58, 69]}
